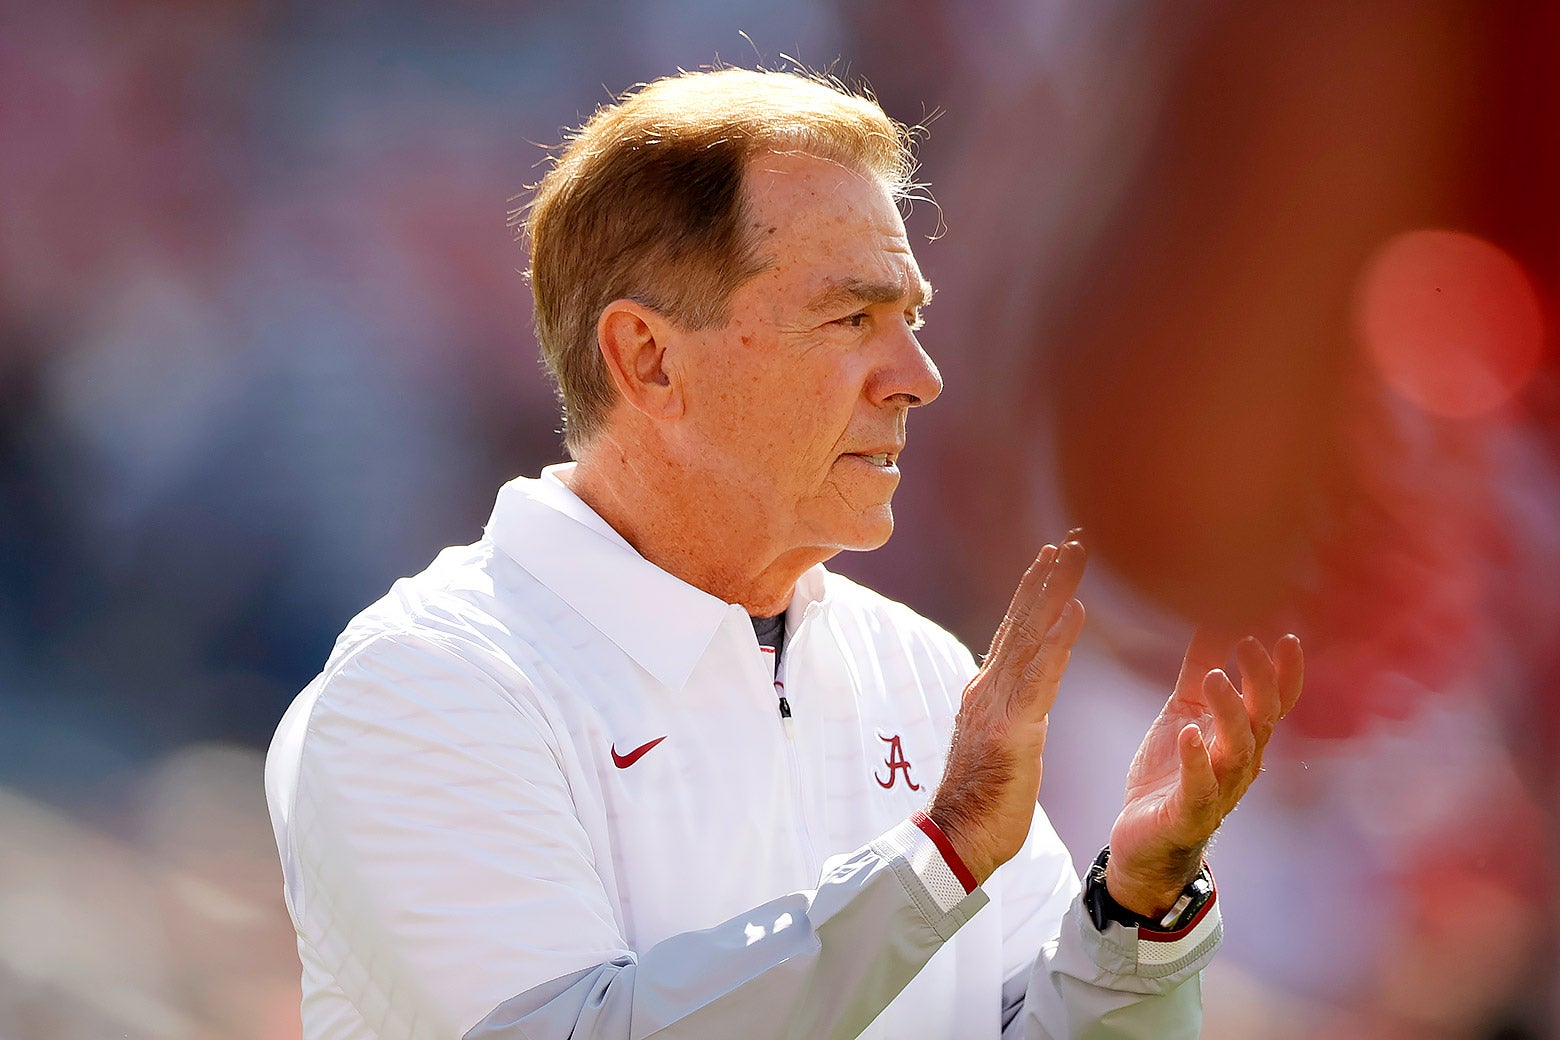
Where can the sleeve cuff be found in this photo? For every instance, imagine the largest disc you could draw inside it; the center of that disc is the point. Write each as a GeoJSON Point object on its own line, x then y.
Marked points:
{"type": "Point", "coordinates": [1156, 949]}
{"type": "Point", "coordinates": [965, 877]}
{"type": "Point", "coordinates": [928, 852]}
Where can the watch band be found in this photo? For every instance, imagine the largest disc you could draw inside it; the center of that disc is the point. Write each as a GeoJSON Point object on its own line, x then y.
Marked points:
{"type": "Point", "coordinates": [1103, 909]}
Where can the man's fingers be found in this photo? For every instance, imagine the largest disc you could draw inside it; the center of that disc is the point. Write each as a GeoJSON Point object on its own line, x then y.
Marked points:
{"type": "Point", "coordinates": [1209, 649]}
{"type": "Point", "coordinates": [1289, 662]}
{"type": "Point", "coordinates": [1062, 583]}
{"type": "Point", "coordinates": [1024, 597]}
{"type": "Point", "coordinates": [1043, 674]}
{"type": "Point", "coordinates": [1258, 687]}
{"type": "Point", "coordinates": [1232, 732]}
{"type": "Point", "coordinates": [1035, 609]}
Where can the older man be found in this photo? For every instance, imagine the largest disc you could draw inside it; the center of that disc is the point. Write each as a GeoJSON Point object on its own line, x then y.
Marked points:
{"type": "Point", "coordinates": [635, 764]}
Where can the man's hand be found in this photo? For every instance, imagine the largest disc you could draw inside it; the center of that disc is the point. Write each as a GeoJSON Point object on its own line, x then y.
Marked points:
{"type": "Point", "coordinates": [986, 799]}
{"type": "Point", "coordinates": [1182, 784]}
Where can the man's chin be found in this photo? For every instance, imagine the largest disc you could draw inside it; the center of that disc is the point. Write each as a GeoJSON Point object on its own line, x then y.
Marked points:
{"type": "Point", "coordinates": [854, 528]}
{"type": "Point", "coordinates": [872, 530]}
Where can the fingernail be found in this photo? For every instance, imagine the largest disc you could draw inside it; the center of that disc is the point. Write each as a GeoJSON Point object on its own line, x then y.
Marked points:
{"type": "Point", "coordinates": [1197, 739]}
{"type": "Point", "coordinates": [1075, 535]}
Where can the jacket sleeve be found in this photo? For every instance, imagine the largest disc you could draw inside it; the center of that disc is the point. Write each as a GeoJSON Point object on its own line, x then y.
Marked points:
{"type": "Point", "coordinates": [437, 874]}
{"type": "Point", "coordinates": [1122, 984]}
{"type": "Point", "coordinates": [811, 964]}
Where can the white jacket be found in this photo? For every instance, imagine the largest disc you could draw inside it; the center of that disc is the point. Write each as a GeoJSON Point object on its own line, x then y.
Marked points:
{"type": "Point", "coordinates": [543, 789]}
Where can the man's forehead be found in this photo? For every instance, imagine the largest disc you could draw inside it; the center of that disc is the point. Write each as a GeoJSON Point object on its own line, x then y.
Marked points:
{"type": "Point", "coordinates": [803, 187]}
{"type": "Point", "coordinates": [837, 228]}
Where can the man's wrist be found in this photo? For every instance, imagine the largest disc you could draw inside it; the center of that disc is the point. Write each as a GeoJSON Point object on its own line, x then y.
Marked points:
{"type": "Point", "coordinates": [1154, 911]}
{"type": "Point", "coordinates": [1152, 896]}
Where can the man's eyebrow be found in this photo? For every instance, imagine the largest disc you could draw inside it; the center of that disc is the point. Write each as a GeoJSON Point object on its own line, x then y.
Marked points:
{"type": "Point", "coordinates": [852, 291]}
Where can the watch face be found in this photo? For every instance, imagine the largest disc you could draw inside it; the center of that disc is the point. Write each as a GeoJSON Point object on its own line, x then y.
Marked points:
{"type": "Point", "coordinates": [1193, 898]}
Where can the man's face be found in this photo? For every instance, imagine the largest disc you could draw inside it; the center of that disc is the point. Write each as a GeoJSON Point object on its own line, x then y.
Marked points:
{"type": "Point", "coordinates": [796, 408]}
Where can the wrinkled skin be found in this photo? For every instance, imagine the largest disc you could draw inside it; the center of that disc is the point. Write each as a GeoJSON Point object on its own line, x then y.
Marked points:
{"type": "Point", "coordinates": [1196, 761]}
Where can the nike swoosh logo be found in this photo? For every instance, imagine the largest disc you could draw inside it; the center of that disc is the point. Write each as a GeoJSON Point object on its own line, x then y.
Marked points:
{"type": "Point", "coordinates": [624, 761]}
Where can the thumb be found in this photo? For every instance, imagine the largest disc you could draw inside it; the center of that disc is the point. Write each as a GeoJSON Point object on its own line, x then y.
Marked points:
{"type": "Point", "coordinates": [1199, 785]}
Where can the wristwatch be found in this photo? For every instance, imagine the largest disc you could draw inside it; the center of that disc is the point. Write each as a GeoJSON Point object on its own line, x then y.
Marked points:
{"type": "Point", "coordinates": [1103, 909]}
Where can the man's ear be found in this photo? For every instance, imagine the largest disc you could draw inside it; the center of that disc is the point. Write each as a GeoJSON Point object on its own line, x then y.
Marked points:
{"type": "Point", "coordinates": [635, 341]}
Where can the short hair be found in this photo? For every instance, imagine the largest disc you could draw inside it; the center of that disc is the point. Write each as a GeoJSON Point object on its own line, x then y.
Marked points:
{"type": "Point", "coordinates": [645, 202]}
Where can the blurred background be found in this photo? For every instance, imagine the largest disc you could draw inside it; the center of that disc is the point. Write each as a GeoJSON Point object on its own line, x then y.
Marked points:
{"type": "Point", "coordinates": [1263, 294]}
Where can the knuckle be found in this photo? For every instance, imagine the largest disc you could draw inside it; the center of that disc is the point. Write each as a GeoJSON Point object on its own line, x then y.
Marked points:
{"type": "Point", "coordinates": [1015, 712]}
{"type": "Point", "coordinates": [1024, 639]}
{"type": "Point", "coordinates": [1045, 668]}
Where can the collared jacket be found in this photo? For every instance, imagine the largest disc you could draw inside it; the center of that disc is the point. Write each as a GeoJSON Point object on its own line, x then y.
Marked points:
{"type": "Point", "coordinates": [544, 790]}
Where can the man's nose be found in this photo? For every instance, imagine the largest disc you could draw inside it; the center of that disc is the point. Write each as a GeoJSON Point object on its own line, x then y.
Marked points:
{"type": "Point", "coordinates": [910, 378]}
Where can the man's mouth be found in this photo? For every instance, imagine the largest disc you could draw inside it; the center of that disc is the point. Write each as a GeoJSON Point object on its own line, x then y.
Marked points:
{"type": "Point", "coordinates": [882, 458]}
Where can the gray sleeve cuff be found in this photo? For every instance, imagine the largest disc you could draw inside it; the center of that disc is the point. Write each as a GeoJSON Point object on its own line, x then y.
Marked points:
{"type": "Point", "coordinates": [1119, 984]}
{"type": "Point", "coordinates": [1139, 953]}
{"type": "Point", "coordinates": [930, 881]}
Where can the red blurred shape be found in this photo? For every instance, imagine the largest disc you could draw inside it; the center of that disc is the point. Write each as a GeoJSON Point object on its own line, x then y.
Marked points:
{"type": "Point", "coordinates": [1451, 321]}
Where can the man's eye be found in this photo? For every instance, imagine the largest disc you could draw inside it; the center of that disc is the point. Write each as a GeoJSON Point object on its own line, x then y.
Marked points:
{"type": "Point", "coordinates": [855, 321]}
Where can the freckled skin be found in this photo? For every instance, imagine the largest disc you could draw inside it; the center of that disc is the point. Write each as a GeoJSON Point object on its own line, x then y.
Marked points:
{"type": "Point", "coordinates": [754, 480]}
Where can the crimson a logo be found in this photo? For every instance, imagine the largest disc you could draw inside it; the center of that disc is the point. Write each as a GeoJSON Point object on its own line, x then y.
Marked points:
{"type": "Point", "coordinates": [895, 762]}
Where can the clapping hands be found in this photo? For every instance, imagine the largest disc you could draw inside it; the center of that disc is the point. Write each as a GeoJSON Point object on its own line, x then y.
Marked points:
{"type": "Point", "coordinates": [1197, 760]}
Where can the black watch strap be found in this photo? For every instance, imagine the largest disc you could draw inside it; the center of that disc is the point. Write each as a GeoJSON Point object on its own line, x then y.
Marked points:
{"type": "Point", "coordinates": [1103, 909]}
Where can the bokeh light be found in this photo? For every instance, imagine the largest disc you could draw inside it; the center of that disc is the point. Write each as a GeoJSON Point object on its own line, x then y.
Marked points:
{"type": "Point", "coordinates": [1451, 321]}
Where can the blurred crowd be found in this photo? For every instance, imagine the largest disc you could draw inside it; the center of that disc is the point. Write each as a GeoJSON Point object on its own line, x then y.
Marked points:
{"type": "Point", "coordinates": [1263, 295]}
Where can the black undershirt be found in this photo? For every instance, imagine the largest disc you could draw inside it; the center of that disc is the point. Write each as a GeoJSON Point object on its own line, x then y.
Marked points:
{"type": "Point", "coordinates": [770, 632]}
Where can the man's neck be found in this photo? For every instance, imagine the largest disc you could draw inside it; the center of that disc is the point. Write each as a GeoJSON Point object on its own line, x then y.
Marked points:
{"type": "Point", "coordinates": [687, 534]}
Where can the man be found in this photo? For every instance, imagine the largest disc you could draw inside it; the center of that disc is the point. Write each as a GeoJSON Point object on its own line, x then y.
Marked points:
{"type": "Point", "coordinates": [635, 764]}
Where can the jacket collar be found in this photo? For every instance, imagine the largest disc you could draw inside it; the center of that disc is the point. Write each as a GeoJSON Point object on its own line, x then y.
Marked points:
{"type": "Point", "coordinates": [661, 621]}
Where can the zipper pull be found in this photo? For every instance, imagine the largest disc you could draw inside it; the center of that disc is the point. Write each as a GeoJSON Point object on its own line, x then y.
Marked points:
{"type": "Point", "coordinates": [785, 716]}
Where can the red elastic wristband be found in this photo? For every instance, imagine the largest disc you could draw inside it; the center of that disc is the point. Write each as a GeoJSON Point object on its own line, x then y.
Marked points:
{"type": "Point", "coordinates": [944, 846]}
